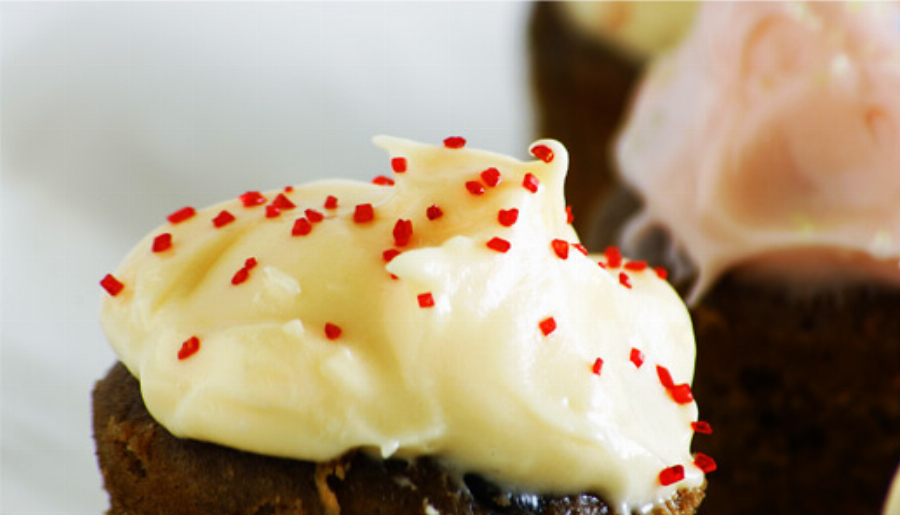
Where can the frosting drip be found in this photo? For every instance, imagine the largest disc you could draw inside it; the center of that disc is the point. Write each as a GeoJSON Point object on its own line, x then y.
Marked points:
{"type": "Point", "coordinates": [774, 128]}
{"type": "Point", "coordinates": [427, 323]}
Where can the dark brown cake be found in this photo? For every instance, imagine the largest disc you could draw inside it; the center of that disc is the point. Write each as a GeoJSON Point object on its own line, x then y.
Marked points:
{"type": "Point", "coordinates": [147, 471]}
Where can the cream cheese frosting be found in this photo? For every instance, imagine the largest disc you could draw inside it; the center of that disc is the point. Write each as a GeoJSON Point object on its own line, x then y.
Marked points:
{"type": "Point", "coordinates": [771, 136]}
{"type": "Point", "coordinates": [447, 311]}
{"type": "Point", "coordinates": [892, 504]}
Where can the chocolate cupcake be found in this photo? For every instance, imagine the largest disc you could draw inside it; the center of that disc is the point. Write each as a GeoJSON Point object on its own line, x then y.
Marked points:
{"type": "Point", "coordinates": [764, 156]}
{"type": "Point", "coordinates": [436, 342]}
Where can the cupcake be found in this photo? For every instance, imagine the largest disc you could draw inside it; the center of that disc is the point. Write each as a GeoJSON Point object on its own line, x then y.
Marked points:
{"type": "Point", "coordinates": [435, 342]}
{"type": "Point", "coordinates": [586, 58]}
{"type": "Point", "coordinates": [765, 154]}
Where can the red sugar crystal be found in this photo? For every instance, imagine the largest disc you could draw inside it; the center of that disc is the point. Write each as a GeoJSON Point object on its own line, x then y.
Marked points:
{"type": "Point", "coordinates": [381, 180]}
{"type": "Point", "coordinates": [636, 357]}
{"type": "Point", "coordinates": [475, 187]}
{"type": "Point", "coordinates": [283, 203]}
{"type": "Point", "coordinates": [508, 217]}
{"type": "Point", "coordinates": [597, 366]}
{"type": "Point", "coordinates": [222, 219]}
{"type": "Point", "coordinates": [426, 300]}
{"type": "Point", "coordinates": [543, 153]}
{"type": "Point", "coordinates": [252, 198]}
{"type": "Point", "coordinates": [530, 182]}
{"type": "Point", "coordinates": [162, 242]}
{"type": "Point", "coordinates": [332, 332]}
{"type": "Point", "coordinates": [272, 211]}
{"type": "Point", "coordinates": [389, 255]}
{"type": "Point", "coordinates": [331, 202]}
{"type": "Point", "coordinates": [434, 212]}
{"type": "Point", "coordinates": [581, 248]}
{"type": "Point", "coordinates": [661, 272]}
{"type": "Point", "coordinates": [671, 475]}
{"type": "Point", "coordinates": [402, 232]}
{"type": "Point", "coordinates": [561, 248]}
{"type": "Point", "coordinates": [499, 244]}
{"type": "Point", "coordinates": [547, 325]}
{"type": "Point", "coordinates": [635, 266]}
{"type": "Point", "coordinates": [455, 142]}
{"type": "Point", "coordinates": [569, 216]}
{"type": "Point", "coordinates": [189, 348]}
{"type": "Point", "coordinates": [182, 215]}
{"type": "Point", "coordinates": [681, 393]}
{"type": "Point", "coordinates": [313, 215]}
{"type": "Point", "coordinates": [363, 213]}
{"type": "Point", "coordinates": [704, 463]}
{"type": "Point", "coordinates": [302, 227]}
{"type": "Point", "coordinates": [398, 164]}
{"type": "Point", "coordinates": [624, 280]}
{"type": "Point", "coordinates": [613, 257]}
{"type": "Point", "coordinates": [491, 177]}
{"type": "Point", "coordinates": [111, 285]}
{"type": "Point", "coordinates": [665, 377]}
{"type": "Point", "coordinates": [702, 427]}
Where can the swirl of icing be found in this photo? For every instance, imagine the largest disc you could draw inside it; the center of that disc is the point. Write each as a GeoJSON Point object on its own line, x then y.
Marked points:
{"type": "Point", "coordinates": [447, 312]}
{"type": "Point", "coordinates": [773, 133]}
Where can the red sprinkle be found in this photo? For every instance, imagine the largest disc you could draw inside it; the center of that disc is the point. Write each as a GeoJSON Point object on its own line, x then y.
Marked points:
{"type": "Point", "coordinates": [475, 187]}
{"type": "Point", "coordinates": [499, 244]}
{"type": "Point", "coordinates": [561, 248]}
{"type": "Point", "coordinates": [332, 332]}
{"type": "Point", "coordinates": [288, 189]}
{"type": "Point", "coordinates": [252, 198]}
{"type": "Point", "coordinates": [434, 212]}
{"type": "Point", "coordinates": [508, 217]}
{"type": "Point", "coordinates": [182, 215]}
{"type": "Point", "coordinates": [602, 264]}
{"type": "Point", "coordinates": [491, 177]}
{"type": "Point", "coordinates": [623, 280]}
{"type": "Point", "coordinates": [661, 272]}
{"type": "Point", "coordinates": [222, 219]}
{"type": "Point", "coordinates": [681, 393]}
{"type": "Point", "coordinates": [455, 142]}
{"type": "Point", "coordinates": [250, 263]}
{"type": "Point", "coordinates": [389, 255]}
{"type": "Point", "coordinates": [402, 232]}
{"type": "Point", "coordinates": [597, 366]}
{"type": "Point", "coordinates": [272, 211]}
{"type": "Point", "coordinates": [111, 285]}
{"type": "Point", "coordinates": [665, 377]}
{"type": "Point", "coordinates": [543, 153]}
{"type": "Point", "coordinates": [702, 427]}
{"type": "Point", "coordinates": [613, 257]}
{"type": "Point", "coordinates": [314, 216]}
{"type": "Point", "coordinates": [302, 227]}
{"type": "Point", "coordinates": [531, 183]}
{"type": "Point", "coordinates": [283, 203]}
{"type": "Point", "coordinates": [331, 202]}
{"type": "Point", "coordinates": [240, 276]}
{"type": "Point", "coordinates": [189, 348]}
{"type": "Point", "coordinates": [162, 242]}
{"type": "Point", "coordinates": [636, 357]}
{"type": "Point", "coordinates": [398, 164]}
{"type": "Point", "coordinates": [547, 325]}
{"type": "Point", "coordinates": [671, 475]}
{"type": "Point", "coordinates": [381, 180]}
{"type": "Point", "coordinates": [704, 463]}
{"type": "Point", "coordinates": [581, 248]}
{"type": "Point", "coordinates": [426, 300]}
{"type": "Point", "coordinates": [363, 213]}
{"type": "Point", "coordinates": [635, 266]}
{"type": "Point", "coordinates": [569, 216]}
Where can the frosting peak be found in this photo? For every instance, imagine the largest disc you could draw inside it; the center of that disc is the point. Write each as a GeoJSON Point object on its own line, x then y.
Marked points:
{"type": "Point", "coordinates": [450, 314]}
{"type": "Point", "coordinates": [774, 127]}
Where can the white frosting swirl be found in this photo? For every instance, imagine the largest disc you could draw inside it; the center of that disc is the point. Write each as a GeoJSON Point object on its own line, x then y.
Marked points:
{"type": "Point", "coordinates": [892, 504]}
{"type": "Point", "coordinates": [774, 131]}
{"type": "Point", "coordinates": [472, 379]}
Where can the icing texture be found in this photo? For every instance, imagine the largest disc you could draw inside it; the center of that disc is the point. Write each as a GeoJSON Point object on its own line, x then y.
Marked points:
{"type": "Point", "coordinates": [451, 314]}
{"type": "Point", "coordinates": [774, 131]}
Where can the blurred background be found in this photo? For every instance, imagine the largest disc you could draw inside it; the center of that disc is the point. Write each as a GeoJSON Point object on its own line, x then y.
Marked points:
{"type": "Point", "coordinates": [113, 115]}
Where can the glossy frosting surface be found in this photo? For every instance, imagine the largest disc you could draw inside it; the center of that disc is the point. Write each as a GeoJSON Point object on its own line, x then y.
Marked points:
{"type": "Point", "coordinates": [477, 376]}
{"type": "Point", "coordinates": [774, 131]}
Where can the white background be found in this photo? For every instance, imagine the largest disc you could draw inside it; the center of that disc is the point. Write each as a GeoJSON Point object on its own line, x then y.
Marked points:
{"type": "Point", "coordinates": [116, 114]}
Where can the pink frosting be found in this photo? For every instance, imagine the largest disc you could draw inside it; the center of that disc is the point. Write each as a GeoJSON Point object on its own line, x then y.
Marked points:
{"type": "Point", "coordinates": [773, 128]}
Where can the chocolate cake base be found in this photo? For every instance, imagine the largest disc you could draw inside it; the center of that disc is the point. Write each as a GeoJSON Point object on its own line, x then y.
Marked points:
{"type": "Point", "coordinates": [148, 471]}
